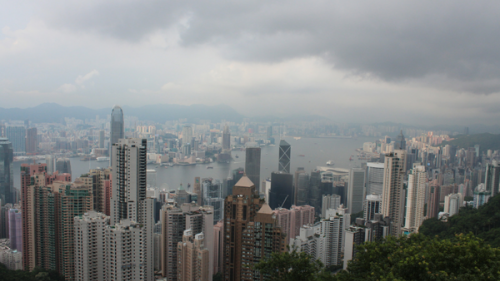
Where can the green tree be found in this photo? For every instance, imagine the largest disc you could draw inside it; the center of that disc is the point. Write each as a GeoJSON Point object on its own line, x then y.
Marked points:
{"type": "Point", "coordinates": [418, 257]}
{"type": "Point", "coordinates": [293, 266]}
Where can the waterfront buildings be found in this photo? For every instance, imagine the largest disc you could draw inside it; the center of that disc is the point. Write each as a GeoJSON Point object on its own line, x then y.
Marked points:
{"type": "Point", "coordinates": [392, 193]}
{"type": "Point", "coordinates": [17, 136]}
{"type": "Point", "coordinates": [31, 140]}
{"type": "Point", "coordinates": [226, 140]}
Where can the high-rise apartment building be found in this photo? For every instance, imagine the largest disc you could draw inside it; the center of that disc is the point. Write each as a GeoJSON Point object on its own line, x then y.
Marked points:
{"type": "Point", "coordinates": [310, 241]}
{"type": "Point", "coordinates": [452, 203]}
{"type": "Point", "coordinates": [374, 178]}
{"type": "Point", "coordinates": [17, 136]}
{"type": "Point", "coordinates": [117, 129]}
{"type": "Point", "coordinates": [333, 229]}
{"type": "Point", "coordinates": [6, 171]}
{"type": "Point", "coordinates": [356, 191]}
{"type": "Point", "coordinates": [329, 202]}
{"type": "Point", "coordinates": [51, 165]}
{"type": "Point", "coordinates": [415, 201]}
{"type": "Point", "coordinates": [15, 230]}
{"type": "Point", "coordinates": [31, 140]}
{"type": "Point", "coordinates": [98, 181]}
{"type": "Point", "coordinates": [284, 157]}
{"type": "Point", "coordinates": [193, 258]}
{"type": "Point", "coordinates": [90, 247]}
{"type": "Point", "coordinates": [187, 135]}
{"type": "Point", "coordinates": [392, 193]}
{"type": "Point", "coordinates": [301, 187]}
{"type": "Point", "coordinates": [434, 199]}
{"type": "Point", "coordinates": [252, 165]}
{"type": "Point", "coordinates": [241, 227]}
{"type": "Point", "coordinates": [282, 191]}
{"type": "Point", "coordinates": [218, 256]}
{"type": "Point", "coordinates": [174, 221]}
{"type": "Point", "coordinates": [354, 236]}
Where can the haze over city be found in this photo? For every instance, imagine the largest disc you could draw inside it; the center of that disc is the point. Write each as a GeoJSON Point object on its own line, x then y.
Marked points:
{"type": "Point", "coordinates": [346, 61]}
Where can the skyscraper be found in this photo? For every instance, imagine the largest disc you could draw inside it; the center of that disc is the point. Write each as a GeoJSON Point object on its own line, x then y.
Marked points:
{"type": "Point", "coordinates": [415, 198]}
{"type": "Point", "coordinates": [282, 193]}
{"type": "Point", "coordinates": [284, 157]}
{"type": "Point", "coordinates": [374, 178]}
{"type": "Point", "coordinates": [17, 136]}
{"type": "Point", "coordinates": [226, 140]}
{"type": "Point", "coordinates": [400, 143]}
{"type": "Point", "coordinates": [452, 203]}
{"type": "Point", "coordinates": [301, 187]}
{"type": "Point", "coordinates": [392, 193]}
{"type": "Point", "coordinates": [31, 140]}
{"type": "Point", "coordinates": [240, 228]}
{"type": "Point", "coordinates": [101, 139]}
{"type": "Point", "coordinates": [492, 177]}
{"type": "Point", "coordinates": [15, 230]}
{"type": "Point", "coordinates": [252, 165]}
{"type": "Point", "coordinates": [434, 199]}
{"type": "Point", "coordinates": [356, 191]}
{"type": "Point", "coordinates": [6, 171]}
{"type": "Point", "coordinates": [187, 135]}
{"type": "Point", "coordinates": [117, 129]}
{"type": "Point", "coordinates": [97, 181]}
{"type": "Point", "coordinates": [373, 203]}
{"type": "Point", "coordinates": [129, 202]}
{"type": "Point", "coordinates": [330, 201]}
{"type": "Point", "coordinates": [193, 258]}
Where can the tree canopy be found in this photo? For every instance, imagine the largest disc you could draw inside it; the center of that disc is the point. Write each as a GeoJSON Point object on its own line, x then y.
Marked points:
{"type": "Point", "coordinates": [483, 222]}
{"type": "Point", "coordinates": [38, 274]}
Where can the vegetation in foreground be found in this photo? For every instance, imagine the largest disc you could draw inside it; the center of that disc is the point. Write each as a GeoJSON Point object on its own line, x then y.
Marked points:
{"type": "Point", "coordinates": [38, 274]}
{"type": "Point", "coordinates": [416, 257]}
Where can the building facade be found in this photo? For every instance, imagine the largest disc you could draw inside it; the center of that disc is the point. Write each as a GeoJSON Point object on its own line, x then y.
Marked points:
{"type": "Point", "coordinates": [392, 193]}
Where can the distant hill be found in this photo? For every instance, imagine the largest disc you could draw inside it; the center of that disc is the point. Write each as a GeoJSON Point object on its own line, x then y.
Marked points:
{"type": "Point", "coordinates": [55, 113]}
{"type": "Point", "coordinates": [483, 222]}
{"type": "Point", "coordinates": [486, 141]}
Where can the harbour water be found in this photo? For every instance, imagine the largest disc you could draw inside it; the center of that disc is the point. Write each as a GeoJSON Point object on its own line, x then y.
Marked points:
{"type": "Point", "coordinates": [305, 152]}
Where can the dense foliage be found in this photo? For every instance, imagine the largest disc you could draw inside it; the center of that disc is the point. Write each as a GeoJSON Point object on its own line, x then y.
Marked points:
{"type": "Point", "coordinates": [419, 257]}
{"type": "Point", "coordinates": [486, 141]}
{"type": "Point", "coordinates": [292, 266]}
{"type": "Point", "coordinates": [37, 274]}
{"type": "Point", "coordinates": [483, 222]}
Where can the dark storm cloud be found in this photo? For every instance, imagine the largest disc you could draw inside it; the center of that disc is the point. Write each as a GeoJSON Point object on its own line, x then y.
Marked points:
{"type": "Point", "coordinates": [446, 44]}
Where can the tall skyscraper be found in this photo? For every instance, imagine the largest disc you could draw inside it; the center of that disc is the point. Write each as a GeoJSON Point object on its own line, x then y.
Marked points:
{"type": "Point", "coordinates": [101, 139]}
{"type": "Point", "coordinates": [330, 201]}
{"type": "Point", "coordinates": [333, 229]}
{"type": "Point", "coordinates": [31, 140]}
{"type": "Point", "coordinates": [301, 187]}
{"type": "Point", "coordinates": [415, 201]}
{"type": "Point", "coordinates": [226, 139]}
{"type": "Point", "coordinates": [6, 171]}
{"type": "Point", "coordinates": [129, 203]}
{"type": "Point", "coordinates": [284, 157]}
{"type": "Point", "coordinates": [282, 193]}
{"type": "Point", "coordinates": [374, 178]}
{"type": "Point", "coordinates": [51, 165]}
{"type": "Point", "coordinates": [17, 136]}
{"type": "Point", "coordinates": [117, 129]}
{"type": "Point", "coordinates": [453, 153]}
{"type": "Point", "coordinates": [373, 204]}
{"type": "Point", "coordinates": [187, 135]}
{"type": "Point", "coordinates": [356, 191]}
{"type": "Point", "coordinates": [392, 193]}
{"type": "Point", "coordinates": [241, 227]}
{"type": "Point", "coordinates": [252, 165]}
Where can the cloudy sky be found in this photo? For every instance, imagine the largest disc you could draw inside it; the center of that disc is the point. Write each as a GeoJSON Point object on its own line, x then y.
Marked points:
{"type": "Point", "coordinates": [352, 61]}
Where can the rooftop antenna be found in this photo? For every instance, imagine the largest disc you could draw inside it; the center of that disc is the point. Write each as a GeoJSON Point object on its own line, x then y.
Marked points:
{"type": "Point", "coordinates": [284, 202]}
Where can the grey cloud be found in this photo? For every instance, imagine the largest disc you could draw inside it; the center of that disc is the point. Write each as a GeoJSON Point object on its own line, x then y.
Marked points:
{"type": "Point", "coordinates": [446, 44]}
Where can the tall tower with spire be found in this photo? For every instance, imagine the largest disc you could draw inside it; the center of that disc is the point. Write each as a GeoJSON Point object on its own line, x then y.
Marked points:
{"type": "Point", "coordinates": [400, 143]}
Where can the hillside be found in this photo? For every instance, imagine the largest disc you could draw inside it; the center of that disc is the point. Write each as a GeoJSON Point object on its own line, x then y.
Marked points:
{"type": "Point", "coordinates": [483, 222]}
{"type": "Point", "coordinates": [55, 113]}
{"type": "Point", "coordinates": [486, 141]}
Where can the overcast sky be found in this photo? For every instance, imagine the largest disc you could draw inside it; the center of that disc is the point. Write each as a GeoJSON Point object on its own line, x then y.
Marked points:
{"type": "Point", "coordinates": [352, 61]}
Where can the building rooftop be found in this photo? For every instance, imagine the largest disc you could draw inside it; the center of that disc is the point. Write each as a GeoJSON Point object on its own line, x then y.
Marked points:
{"type": "Point", "coordinates": [265, 209]}
{"type": "Point", "coordinates": [245, 182]}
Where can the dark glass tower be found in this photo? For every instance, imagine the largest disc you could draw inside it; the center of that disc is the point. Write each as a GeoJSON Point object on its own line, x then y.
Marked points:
{"type": "Point", "coordinates": [285, 153]}
{"type": "Point", "coordinates": [6, 171]}
{"type": "Point", "coordinates": [282, 191]}
{"type": "Point", "coordinates": [252, 165]}
{"type": "Point", "coordinates": [117, 130]}
{"type": "Point", "coordinates": [400, 142]}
